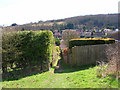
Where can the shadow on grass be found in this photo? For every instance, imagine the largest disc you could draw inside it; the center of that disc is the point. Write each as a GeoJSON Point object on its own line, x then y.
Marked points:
{"type": "Point", "coordinates": [18, 74]}
{"type": "Point", "coordinates": [65, 68]}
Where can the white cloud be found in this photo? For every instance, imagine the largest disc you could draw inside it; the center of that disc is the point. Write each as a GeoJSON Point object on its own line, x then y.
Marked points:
{"type": "Point", "coordinates": [25, 11]}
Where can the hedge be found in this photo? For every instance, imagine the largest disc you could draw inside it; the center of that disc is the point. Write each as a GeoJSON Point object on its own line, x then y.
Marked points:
{"type": "Point", "coordinates": [57, 41]}
{"type": "Point", "coordinates": [27, 48]}
{"type": "Point", "coordinates": [90, 41]}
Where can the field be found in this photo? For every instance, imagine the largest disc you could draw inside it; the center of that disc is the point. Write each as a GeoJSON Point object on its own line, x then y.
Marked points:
{"type": "Point", "coordinates": [63, 76]}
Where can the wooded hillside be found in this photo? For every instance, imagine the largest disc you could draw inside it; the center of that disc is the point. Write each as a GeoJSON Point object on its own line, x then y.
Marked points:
{"type": "Point", "coordinates": [100, 21]}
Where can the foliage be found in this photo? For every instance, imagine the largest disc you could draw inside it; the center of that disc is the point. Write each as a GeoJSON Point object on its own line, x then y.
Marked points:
{"type": "Point", "coordinates": [89, 41]}
{"type": "Point", "coordinates": [14, 24]}
{"type": "Point", "coordinates": [27, 48]}
{"type": "Point", "coordinates": [56, 55]}
{"type": "Point", "coordinates": [68, 35]}
{"type": "Point", "coordinates": [57, 49]}
{"type": "Point", "coordinates": [70, 26]}
{"type": "Point", "coordinates": [57, 41]}
{"type": "Point", "coordinates": [22, 29]}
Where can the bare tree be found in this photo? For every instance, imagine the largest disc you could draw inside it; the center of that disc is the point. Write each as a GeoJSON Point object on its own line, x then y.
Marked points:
{"type": "Point", "coordinates": [113, 57]}
{"type": "Point", "coordinates": [68, 35]}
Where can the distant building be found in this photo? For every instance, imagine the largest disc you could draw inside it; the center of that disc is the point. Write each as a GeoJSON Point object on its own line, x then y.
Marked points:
{"type": "Point", "coordinates": [98, 34]}
{"type": "Point", "coordinates": [107, 30]}
{"type": "Point", "coordinates": [57, 34]}
{"type": "Point", "coordinates": [56, 31]}
{"type": "Point", "coordinates": [80, 31]}
{"type": "Point", "coordinates": [87, 34]}
{"type": "Point", "coordinates": [69, 29]}
{"type": "Point", "coordinates": [116, 29]}
{"type": "Point", "coordinates": [97, 30]}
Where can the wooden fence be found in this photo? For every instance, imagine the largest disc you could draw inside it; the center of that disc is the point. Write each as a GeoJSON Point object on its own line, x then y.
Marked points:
{"type": "Point", "coordinates": [89, 54]}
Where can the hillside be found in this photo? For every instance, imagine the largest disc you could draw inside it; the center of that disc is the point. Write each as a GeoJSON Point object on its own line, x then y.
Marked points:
{"type": "Point", "coordinates": [100, 21]}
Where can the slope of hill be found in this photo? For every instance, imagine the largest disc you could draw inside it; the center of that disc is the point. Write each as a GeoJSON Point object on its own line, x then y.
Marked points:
{"type": "Point", "coordinates": [100, 21]}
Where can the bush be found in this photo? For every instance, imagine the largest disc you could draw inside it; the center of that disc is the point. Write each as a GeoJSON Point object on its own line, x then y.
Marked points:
{"type": "Point", "coordinates": [57, 49]}
{"type": "Point", "coordinates": [27, 48]}
{"type": "Point", "coordinates": [57, 41]}
{"type": "Point", "coordinates": [56, 54]}
{"type": "Point", "coordinates": [90, 41]}
{"type": "Point", "coordinates": [112, 67]}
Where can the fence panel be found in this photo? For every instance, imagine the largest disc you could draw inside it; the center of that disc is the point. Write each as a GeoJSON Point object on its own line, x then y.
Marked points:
{"type": "Point", "coordinates": [89, 54]}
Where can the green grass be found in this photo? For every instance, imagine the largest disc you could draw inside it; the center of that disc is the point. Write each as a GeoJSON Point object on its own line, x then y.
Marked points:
{"type": "Point", "coordinates": [75, 77]}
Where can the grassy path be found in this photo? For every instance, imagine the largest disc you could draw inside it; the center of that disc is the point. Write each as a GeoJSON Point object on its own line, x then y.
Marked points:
{"type": "Point", "coordinates": [83, 77]}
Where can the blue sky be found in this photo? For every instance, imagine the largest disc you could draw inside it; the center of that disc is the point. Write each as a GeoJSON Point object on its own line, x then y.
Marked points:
{"type": "Point", "coordinates": [26, 11]}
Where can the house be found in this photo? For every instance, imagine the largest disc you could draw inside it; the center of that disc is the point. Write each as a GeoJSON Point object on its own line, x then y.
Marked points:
{"type": "Point", "coordinates": [97, 30]}
{"type": "Point", "coordinates": [56, 31]}
{"type": "Point", "coordinates": [98, 34]}
{"type": "Point", "coordinates": [81, 32]}
{"type": "Point", "coordinates": [87, 34]}
{"type": "Point", "coordinates": [57, 34]}
{"type": "Point", "coordinates": [116, 29]}
{"type": "Point", "coordinates": [107, 30]}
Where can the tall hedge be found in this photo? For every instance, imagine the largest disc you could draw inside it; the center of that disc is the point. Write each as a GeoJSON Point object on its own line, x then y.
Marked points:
{"type": "Point", "coordinates": [90, 41]}
{"type": "Point", "coordinates": [27, 48]}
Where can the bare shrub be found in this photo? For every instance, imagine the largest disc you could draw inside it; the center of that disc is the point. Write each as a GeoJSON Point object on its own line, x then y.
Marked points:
{"type": "Point", "coordinates": [101, 70]}
{"type": "Point", "coordinates": [113, 58]}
